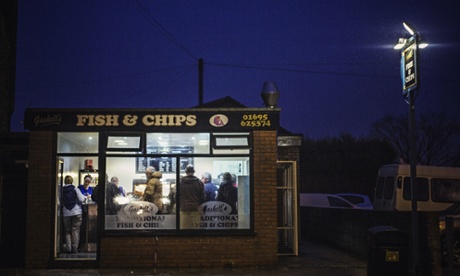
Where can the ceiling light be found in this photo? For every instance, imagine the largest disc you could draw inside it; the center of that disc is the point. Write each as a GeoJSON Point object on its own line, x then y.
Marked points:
{"type": "Point", "coordinates": [203, 142]}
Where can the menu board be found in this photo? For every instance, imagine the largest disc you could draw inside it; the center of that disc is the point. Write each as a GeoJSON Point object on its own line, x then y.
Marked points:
{"type": "Point", "coordinates": [167, 163]}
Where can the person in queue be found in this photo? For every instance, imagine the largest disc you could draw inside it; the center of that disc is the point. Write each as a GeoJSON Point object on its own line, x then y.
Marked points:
{"type": "Point", "coordinates": [115, 180]}
{"type": "Point", "coordinates": [85, 188]}
{"type": "Point", "coordinates": [172, 199]}
{"type": "Point", "coordinates": [111, 192]}
{"type": "Point", "coordinates": [228, 193]}
{"type": "Point", "coordinates": [87, 191]}
{"type": "Point", "coordinates": [210, 189]}
{"type": "Point", "coordinates": [154, 190]}
{"type": "Point", "coordinates": [72, 199]}
{"type": "Point", "coordinates": [191, 196]}
{"type": "Point", "coordinates": [234, 180]}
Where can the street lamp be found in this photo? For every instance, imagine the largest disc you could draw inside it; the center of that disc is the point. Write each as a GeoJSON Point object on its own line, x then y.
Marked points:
{"type": "Point", "coordinates": [422, 43]}
{"type": "Point", "coordinates": [409, 73]}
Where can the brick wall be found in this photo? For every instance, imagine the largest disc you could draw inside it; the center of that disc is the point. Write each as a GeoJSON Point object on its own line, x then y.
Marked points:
{"type": "Point", "coordinates": [265, 197]}
{"type": "Point", "coordinates": [180, 252]}
{"type": "Point", "coordinates": [171, 251]}
{"type": "Point", "coordinates": [289, 153]}
{"type": "Point", "coordinates": [39, 225]}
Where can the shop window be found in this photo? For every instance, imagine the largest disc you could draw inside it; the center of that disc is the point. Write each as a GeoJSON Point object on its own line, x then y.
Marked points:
{"type": "Point", "coordinates": [164, 164]}
{"type": "Point", "coordinates": [231, 143]}
{"type": "Point", "coordinates": [231, 151]}
{"type": "Point", "coordinates": [130, 205]}
{"type": "Point", "coordinates": [227, 196]}
{"type": "Point", "coordinates": [178, 143]}
{"type": "Point", "coordinates": [124, 143]}
{"type": "Point", "coordinates": [78, 142]}
{"type": "Point", "coordinates": [125, 202]}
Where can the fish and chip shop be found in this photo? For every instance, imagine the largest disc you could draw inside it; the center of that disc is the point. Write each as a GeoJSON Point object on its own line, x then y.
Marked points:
{"type": "Point", "coordinates": [125, 231]}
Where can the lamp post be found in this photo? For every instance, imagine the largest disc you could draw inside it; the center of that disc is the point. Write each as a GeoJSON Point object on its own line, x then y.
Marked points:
{"type": "Point", "coordinates": [409, 74]}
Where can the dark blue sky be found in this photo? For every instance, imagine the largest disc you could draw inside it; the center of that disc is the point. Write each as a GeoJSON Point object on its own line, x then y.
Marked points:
{"type": "Point", "coordinates": [332, 61]}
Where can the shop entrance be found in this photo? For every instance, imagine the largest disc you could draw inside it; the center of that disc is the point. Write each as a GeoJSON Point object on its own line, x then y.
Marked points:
{"type": "Point", "coordinates": [77, 175]}
{"type": "Point", "coordinates": [76, 235]}
{"type": "Point", "coordinates": [287, 208]}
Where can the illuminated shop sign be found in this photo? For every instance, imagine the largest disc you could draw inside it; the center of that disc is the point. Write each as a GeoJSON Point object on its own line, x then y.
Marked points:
{"type": "Point", "coordinates": [161, 120]}
{"type": "Point", "coordinates": [409, 67]}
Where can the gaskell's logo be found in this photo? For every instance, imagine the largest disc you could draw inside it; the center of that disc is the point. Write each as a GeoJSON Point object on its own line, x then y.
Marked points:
{"type": "Point", "coordinates": [140, 208]}
{"type": "Point", "coordinates": [48, 120]}
{"type": "Point", "coordinates": [214, 208]}
{"type": "Point", "coordinates": [218, 120]}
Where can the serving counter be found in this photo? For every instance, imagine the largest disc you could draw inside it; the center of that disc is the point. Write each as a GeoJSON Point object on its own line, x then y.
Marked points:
{"type": "Point", "coordinates": [88, 233]}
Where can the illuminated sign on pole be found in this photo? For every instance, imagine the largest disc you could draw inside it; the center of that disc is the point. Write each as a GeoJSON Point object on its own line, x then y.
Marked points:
{"type": "Point", "coordinates": [409, 66]}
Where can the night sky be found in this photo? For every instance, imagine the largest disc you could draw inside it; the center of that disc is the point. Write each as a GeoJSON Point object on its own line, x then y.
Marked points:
{"type": "Point", "coordinates": [333, 61]}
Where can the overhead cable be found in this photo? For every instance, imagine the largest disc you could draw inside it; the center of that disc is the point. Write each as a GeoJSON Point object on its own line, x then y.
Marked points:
{"type": "Point", "coordinates": [155, 23]}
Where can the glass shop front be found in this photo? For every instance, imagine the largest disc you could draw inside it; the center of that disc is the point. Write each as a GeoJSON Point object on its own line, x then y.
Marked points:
{"type": "Point", "coordinates": [134, 171]}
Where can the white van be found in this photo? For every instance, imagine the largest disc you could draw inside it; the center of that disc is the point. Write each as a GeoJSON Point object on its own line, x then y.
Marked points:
{"type": "Point", "coordinates": [325, 201]}
{"type": "Point", "coordinates": [437, 188]}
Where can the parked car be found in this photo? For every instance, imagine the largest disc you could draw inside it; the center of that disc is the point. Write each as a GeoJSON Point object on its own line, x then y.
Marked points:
{"type": "Point", "coordinates": [359, 200]}
{"type": "Point", "coordinates": [325, 201]}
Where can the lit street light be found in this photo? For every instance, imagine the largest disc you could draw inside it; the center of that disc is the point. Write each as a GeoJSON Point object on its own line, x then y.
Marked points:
{"type": "Point", "coordinates": [409, 73]}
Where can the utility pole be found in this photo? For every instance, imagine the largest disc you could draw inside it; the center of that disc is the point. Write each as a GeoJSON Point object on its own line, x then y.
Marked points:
{"type": "Point", "coordinates": [200, 81]}
{"type": "Point", "coordinates": [410, 77]}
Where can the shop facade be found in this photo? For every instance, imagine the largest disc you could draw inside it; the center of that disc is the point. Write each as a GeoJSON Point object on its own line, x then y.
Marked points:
{"type": "Point", "coordinates": [125, 230]}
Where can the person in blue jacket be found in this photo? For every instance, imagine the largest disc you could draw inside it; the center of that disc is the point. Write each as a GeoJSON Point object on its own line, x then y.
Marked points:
{"type": "Point", "coordinates": [115, 180]}
{"type": "Point", "coordinates": [85, 189]}
{"type": "Point", "coordinates": [210, 189]}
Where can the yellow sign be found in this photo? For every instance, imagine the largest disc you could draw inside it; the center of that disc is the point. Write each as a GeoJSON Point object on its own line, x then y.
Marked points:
{"type": "Point", "coordinates": [392, 256]}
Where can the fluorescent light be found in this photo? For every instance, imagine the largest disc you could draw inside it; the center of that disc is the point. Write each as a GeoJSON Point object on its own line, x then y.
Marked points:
{"type": "Point", "coordinates": [409, 28]}
{"type": "Point", "coordinates": [203, 142]}
{"type": "Point", "coordinates": [422, 43]}
{"type": "Point", "coordinates": [401, 43]}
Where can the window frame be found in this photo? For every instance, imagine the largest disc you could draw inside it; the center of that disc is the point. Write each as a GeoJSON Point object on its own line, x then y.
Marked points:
{"type": "Point", "coordinates": [140, 147]}
{"type": "Point", "coordinates": [105, 153]}
{"type": "Point", "coordinates": [215, 137]}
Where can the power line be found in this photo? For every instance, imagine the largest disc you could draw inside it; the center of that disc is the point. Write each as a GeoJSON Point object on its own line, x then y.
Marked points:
{"type": "Point", "coordinates": [268, 68]}
{"type": "Point", "coordinates": [155, 23]}
{"type": "Point", "coordinates": [294, 70]}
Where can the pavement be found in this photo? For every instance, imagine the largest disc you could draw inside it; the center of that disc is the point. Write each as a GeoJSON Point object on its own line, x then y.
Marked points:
{"type": "Point", "coordinates": [313, 259]}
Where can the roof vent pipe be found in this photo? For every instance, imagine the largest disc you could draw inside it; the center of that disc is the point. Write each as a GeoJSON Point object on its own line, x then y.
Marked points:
{"type": "Point", "coordinates": [270, 94]}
